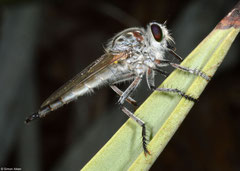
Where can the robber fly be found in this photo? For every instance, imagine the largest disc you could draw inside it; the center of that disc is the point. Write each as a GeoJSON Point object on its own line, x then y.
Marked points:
{"type": "Point", "coordinates": [129, 56]}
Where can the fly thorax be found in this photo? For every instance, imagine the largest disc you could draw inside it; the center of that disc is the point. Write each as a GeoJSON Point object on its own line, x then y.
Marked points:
{"type": "Point", "coordinates": [126, 41]}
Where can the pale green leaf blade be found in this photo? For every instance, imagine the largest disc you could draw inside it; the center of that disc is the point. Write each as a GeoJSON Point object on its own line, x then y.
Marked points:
{"type": "Point", "coordinates": [163, 113]}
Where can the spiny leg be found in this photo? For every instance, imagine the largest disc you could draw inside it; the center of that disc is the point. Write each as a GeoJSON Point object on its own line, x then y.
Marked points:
{"type": "Point", "coordinates": [142, 124]}
{"type": "Point", "coordinates": [177, 91]}
{"type": "Point", "coordinates": [130, 89]}
{"type": "Point", "coordinates": [164, 73]}
{"type": "Point", "coordinates": [151, 85]}
{"type": "Point", "coordinates": [119, 92]}
{"type": "Point", "coordinates": [150, 78]}
{"type": "Point", "coordinates": [121, 100]}
{"type": "Point", "coordinates": [174, 90]}
{"type": "Point", "coordinates": [197, 72]}
{"type": "Point", "coordinates": [192, 71]}
{"type": "Point", "coordinates": [124, 77]}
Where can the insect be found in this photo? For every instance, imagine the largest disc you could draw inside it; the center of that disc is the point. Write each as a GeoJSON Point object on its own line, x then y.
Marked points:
{"type": "Point", "coordinates": [129, 56]}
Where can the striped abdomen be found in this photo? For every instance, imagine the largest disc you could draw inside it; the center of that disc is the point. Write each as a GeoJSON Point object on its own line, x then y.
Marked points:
{"type": "Point", "coordinates": [108, 75]}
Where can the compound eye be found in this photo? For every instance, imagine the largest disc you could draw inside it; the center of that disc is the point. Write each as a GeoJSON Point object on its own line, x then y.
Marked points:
{"type": "Point", "coordinates": [157, 32]}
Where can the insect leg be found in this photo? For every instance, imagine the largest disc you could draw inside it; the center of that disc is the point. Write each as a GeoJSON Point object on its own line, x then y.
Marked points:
{"type": "Point", "coordinates": [151, 85]}
{"type": "Point", "coordinates": [160, 63]}
{"type": "Point", "coordinates": [130, 89]}
{"type": "Point", "coordinates": [123, 97]}
{"type": "Point", "coordinates": [150, 78]}
{"type": "Point", "coordinates": [177, 91]}
{"type": "Point", "coordinates": [119, 92]}
{"type": "Point", "coordinates": [142, 124]}
{"type": "Point", "coordinates": [164, 73]}
{"type": "Point", "coordinates": [192, 71]}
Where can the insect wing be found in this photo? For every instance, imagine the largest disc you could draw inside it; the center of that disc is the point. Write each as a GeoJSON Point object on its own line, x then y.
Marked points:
{"type": "Point", "coordinates": [95, 67]}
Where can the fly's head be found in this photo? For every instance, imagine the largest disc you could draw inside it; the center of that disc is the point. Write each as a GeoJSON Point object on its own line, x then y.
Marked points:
{"type": "Point", "coordinates": [158, 38]}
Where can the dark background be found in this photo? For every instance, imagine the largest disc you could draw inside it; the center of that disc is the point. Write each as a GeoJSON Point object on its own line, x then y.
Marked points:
{"type": "Point", "coordinates": [45, 43]}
